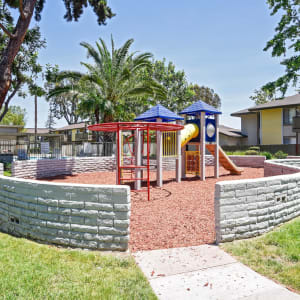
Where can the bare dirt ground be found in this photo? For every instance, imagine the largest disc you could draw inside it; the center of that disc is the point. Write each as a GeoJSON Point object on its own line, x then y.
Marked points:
{"type": "Point", "coordinates": [178, 214]}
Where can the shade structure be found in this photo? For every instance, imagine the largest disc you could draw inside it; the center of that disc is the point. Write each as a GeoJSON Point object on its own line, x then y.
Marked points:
{"type": "Point", "coordinates": [117, 126]}
{"type": "Point", "coordinates": [158, 111]}
{"type": "Point", "coordinates": [198, 107]}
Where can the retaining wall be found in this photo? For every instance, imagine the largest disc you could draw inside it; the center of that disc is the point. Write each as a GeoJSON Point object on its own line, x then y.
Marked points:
{"type": "Point", "coordinates": [85, 216]}
{"type": "Point", "coordinates": [281, 167]}
{"type": "Point", "coordinates": [52, 167]}
{"type": "Point", "coordinates": [253, 161]}
{"type": "Point", "coordinates": [247, 208]}
{"type": "Point", "coordinates": [35, 169]}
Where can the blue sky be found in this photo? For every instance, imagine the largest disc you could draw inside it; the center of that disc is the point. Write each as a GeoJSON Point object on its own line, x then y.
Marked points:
{"type": "Point", "coordinates": [217, 43]}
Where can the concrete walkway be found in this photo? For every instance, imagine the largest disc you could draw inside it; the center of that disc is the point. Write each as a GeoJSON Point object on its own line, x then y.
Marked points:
{"type": "Point", "coordinates": [205, 272]}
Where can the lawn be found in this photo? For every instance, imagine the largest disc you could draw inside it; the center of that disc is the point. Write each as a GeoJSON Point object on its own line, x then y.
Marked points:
{"type": "Point", "coordinates": [7, 173]}
{"type": "Point", "coordinates": [275, 254]}
{"type": "Point", "coordinates": [33, 271]}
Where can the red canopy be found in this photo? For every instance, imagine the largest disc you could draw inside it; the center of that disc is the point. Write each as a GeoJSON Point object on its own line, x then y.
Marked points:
{"type": "Point", "coordinates": [117, 126]}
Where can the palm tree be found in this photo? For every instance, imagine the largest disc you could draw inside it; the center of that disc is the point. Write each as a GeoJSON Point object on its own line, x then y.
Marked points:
{"type": "Point", "coordinates": [112, 80]}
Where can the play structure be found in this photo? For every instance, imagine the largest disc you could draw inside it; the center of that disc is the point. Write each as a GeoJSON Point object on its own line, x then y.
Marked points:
{"type": "Point", "coordinates": [187, 144]}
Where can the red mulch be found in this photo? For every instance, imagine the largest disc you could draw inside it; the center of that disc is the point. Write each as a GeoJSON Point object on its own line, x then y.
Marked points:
{"type": "Point", "coordinates": [177, 215]}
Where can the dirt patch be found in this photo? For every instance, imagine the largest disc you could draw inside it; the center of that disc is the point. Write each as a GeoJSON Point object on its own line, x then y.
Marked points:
{"type": "Point", "coordinates": [177, 215]}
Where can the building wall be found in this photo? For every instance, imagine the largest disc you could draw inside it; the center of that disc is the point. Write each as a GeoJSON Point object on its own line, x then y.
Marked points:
{"type": "Point", "coordinates": [271, 126]}
{"type": "Point", "coordinates": [5, 130]}
{"type": "Point", "coordinates": [231, 141]}
{"type": "Point", "coordinates": [249, 128]}
{"type": "Point", "coordinates": [74, 135]}
{"type": "Point", "coordinates": [85, 216]}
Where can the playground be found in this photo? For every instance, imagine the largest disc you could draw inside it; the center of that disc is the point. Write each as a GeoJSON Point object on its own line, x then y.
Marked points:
{"type": "Point", "coordinates": [177, 215]}
{"type": "Point", "coordinates": [176, 208]}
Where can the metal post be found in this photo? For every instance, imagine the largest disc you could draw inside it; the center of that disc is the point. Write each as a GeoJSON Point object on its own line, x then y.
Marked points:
{"type": "Point", "coordinates": [178, 159]}
{"type": "Point", "coordinates": [138, 159]}
{"type": "Point", "coordinates": [217, 154]}
{"type": "Point", "coordinates": [118, 157]}
{"type": "Point", "coordinates": [159, 152]}
{"type": "Point", "coordinates": [202, 130]}
{"type": "Point", "coordinates": [148, 163]}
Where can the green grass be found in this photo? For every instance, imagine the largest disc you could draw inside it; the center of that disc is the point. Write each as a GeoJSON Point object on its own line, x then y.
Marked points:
{"type": "Point", "coordinates": [7, 173]}
{"type": "Point", "coordinates": [275, 254]}
{"type": "Point", "coordinates": [33, 271]}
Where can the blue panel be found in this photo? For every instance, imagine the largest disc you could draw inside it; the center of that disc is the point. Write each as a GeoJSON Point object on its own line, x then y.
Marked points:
{"type": "Point", "coordinates": [212, 138]}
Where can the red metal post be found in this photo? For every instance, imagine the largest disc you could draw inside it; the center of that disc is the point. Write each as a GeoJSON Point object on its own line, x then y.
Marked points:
{"type": "Point", "coordinates": [118, 154]}
{"type": "Point", "coordinates": [148, 163]}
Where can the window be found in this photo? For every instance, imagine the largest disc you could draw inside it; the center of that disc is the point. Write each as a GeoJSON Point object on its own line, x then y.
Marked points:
{"type": "Point", "coordinates": [288, 114]}
{"type": "Point", "coordinates": [287, 140]}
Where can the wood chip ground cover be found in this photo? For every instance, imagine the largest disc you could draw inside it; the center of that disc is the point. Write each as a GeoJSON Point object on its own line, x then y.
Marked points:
{"type": "Point", "coordinates": [178, 214]}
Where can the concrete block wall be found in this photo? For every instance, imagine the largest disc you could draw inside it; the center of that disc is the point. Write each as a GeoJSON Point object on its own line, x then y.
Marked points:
{"type": "Point", "coordinates": [75, 215]}
{"type": "Point", "coordinates": [281, 167]}
{"type": "Point", "coordinates": [252, 161]}
{"type": "Point", "coordinates": [247, 208]}
{"type": "Point", "coordinates": [36, 169]}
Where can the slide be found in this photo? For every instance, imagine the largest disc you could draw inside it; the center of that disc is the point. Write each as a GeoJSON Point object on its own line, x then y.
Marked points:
{"type": "Point", "coordinates": [225, 161]}
{"type": "Point", "coordinates": [191, 131]}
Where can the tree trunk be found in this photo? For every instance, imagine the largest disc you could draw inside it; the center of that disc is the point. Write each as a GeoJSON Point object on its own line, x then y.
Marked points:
{"type": "Point", "coordinates": [14, 44]}
{"type": "Point", "coordinates": [35, 121]}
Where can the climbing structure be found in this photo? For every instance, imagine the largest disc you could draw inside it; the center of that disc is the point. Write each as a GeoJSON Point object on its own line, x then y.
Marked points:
{"type": "Point", "coordinates": [136, 165]}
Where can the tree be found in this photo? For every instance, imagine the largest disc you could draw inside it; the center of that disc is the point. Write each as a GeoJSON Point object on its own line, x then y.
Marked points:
{"type": "Point", "coordinates": [286, 43]}
{"type": "Point", "coordinates": [17, 33]}
{"type": "Point", "coordinates": [205, 94]}
{"type": "Point", "coordinates": [112, 80]}
{"type": "Point", "coordinates": [63, 96]}
{"type": "Point", "coordinates": [50, 123]}
{"type": "Point", "coordinates": [180, 93]}
{"type": "Point", "coordinates": [175, 83]}
{"type": "Point", "coordinates": [24, 66]}
{"type": "Point", "coordinates": [261, 96]}
{"type": "Point", "coordinates": [15, 116]}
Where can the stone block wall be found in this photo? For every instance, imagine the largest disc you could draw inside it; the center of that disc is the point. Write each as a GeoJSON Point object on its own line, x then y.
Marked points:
{"type": "Point", "coordinates": [251, 161]}
{"type": "Point", "coordinates": [75, 215]}
{"type": "Point", "coordinates": [247, 208]}
{"type": "Point", "coordinates": [36, 169]}
{"type": "Point", "coordinates": [281, 167]}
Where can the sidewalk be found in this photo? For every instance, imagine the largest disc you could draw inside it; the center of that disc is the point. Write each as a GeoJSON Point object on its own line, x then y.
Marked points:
{"type": "Point", "coordinates": [205, 272]}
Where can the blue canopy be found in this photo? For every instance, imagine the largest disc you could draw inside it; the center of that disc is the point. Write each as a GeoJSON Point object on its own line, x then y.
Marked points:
{"type": "Point", "coordinates": [198, 107]}
{"type": "Point", "coordinates": [158, 111]}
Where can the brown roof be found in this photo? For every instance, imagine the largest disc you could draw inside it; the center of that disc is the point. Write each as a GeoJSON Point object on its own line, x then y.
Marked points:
{"type": "Point", "coordinates": [39, 130]}
{"type": "Point", "coordinates": [285, 102]}
{"type": "Point", "coordinates": [242, 112]}
{"type": "Point", "coordinates": [72, 126]}
{"type": "Point", "coordinates": [231, 131]}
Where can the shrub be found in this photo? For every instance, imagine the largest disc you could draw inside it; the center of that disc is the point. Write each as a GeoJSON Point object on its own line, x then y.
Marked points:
{"type": "Point", "coordinates": [280, 155]}
{"type": "Point", "coordinates": [251, 152]}
{"type": "Point", "coordinates": [7, 166]}
{"type": "Point", "coordinates": [255, 148]}
{"type": "Point", "coordinates": [267, 154]}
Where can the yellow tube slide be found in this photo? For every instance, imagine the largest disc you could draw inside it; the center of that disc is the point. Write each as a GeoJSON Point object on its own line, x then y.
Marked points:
{"type": "Point", "coordinates": [189, 132]}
